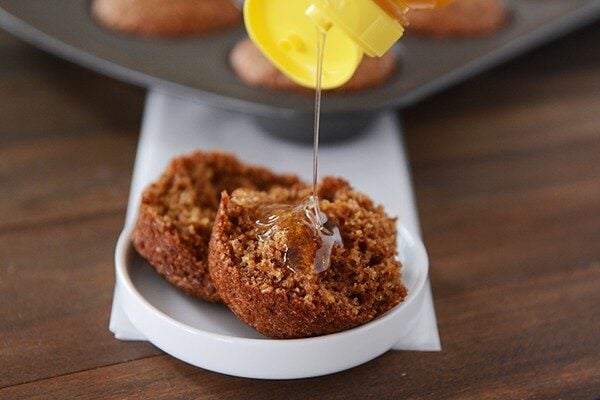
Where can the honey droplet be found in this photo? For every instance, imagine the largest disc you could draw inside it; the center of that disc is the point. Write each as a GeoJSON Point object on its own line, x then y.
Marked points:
{"type": "Point", "coordinates": [309, 238]}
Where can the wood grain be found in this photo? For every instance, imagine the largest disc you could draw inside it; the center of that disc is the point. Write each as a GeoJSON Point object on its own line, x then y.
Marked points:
{"type": "Point", "coordinates": [495, 347]}
{"type": "Point", "coordinates": [47, 97]}
{"type": "Point", "coordinates": [57, 281]}
{"type": "Point", "coordinates": [67, 143]}
{"type": "Point", "coordinates": [64, 178]}
{"type": "Point", "coordinates": [507, 175]}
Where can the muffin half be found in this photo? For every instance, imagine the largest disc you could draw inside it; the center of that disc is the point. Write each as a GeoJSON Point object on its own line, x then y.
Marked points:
{"type": "Point", "coordinates": [268, 278]}
{"type": "Point", "coordinates": [177, 212]}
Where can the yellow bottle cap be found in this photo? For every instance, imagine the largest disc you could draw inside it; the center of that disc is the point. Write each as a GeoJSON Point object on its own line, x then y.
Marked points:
{"type": "Point", "coordinates": [286, 33]}
{"type": "Point", "coordinates": [287, 36]}
{"type": "Point", "coordinates": [364, 21]}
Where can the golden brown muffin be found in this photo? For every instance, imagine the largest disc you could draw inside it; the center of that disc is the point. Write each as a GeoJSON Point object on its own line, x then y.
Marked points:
{"type": "Point", "coordinates": [177, 213]}
{"type": "Point", "coordinates": [158, 18]}
{"type": "Point", "coordinates": [269, 281]}
{"type": "Point", "coordinates": [462, 18]}
{"type": "Point", "coordinates": [252, 67]}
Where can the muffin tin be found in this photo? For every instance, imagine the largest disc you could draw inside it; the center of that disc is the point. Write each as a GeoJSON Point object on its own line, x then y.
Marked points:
{"type": "Point", "coordinates": [198, 66]}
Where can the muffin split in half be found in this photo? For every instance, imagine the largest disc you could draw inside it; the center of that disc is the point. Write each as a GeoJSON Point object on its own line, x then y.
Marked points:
{"type": "Point", "coordinates": [283, 299]}
{"type": "Point", "coordinates": [177, 213]}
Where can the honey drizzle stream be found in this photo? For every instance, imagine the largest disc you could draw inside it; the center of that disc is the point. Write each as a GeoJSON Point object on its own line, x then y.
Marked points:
{"type": "Point", "coordinates": [321, 37]}
{"type": "Point", "coordinates": [328, 233]}
{"type": "Point", "coordinates": [304, 223]}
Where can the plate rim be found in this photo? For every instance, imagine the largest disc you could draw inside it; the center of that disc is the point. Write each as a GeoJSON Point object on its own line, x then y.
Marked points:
{"type": "Point", "coordinates": [129, 291]}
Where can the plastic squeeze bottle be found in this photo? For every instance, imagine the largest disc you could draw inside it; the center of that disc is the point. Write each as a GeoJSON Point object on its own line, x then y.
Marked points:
{"type": "Point", "coordinates": [285, 31]}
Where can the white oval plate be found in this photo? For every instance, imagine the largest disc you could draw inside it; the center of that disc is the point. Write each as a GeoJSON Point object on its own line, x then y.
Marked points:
{"type": "Point", "coordinates": [212, 337]}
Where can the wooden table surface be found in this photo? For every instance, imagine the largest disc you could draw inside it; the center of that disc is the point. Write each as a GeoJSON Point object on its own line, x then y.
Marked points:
{"type": "Point", "coordinates": [507, 175]}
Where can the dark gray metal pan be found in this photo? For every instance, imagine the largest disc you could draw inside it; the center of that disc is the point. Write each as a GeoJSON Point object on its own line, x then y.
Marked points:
{"type": "Point", "coordinates": [198, 66]}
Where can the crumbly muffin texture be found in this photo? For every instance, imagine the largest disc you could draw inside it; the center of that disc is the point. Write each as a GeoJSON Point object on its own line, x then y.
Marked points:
{"type": "Point", "coordinates": [177, 212]}
{"type": "Point", "coordinates": [283, 299]}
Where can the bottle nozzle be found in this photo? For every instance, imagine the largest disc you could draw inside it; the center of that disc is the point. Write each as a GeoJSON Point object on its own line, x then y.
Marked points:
{"type": "Point", "coordinates": [318, 17]}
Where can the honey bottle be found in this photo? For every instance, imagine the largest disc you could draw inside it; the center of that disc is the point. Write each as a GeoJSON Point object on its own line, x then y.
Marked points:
{"type": "Point", "coordinates": [285, 32]}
